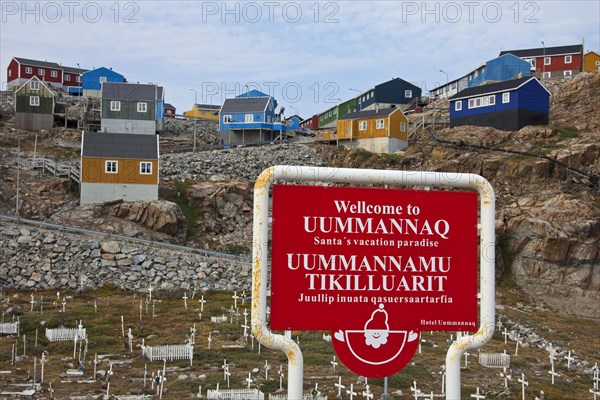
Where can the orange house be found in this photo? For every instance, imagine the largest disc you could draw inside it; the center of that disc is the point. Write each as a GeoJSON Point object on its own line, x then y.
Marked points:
{"type": "Point", "coordinates": [117, 166]}
{"type": "Point", "coordinates": [379, 131]}
{"type": "Point", "coordinates": [591, 61]}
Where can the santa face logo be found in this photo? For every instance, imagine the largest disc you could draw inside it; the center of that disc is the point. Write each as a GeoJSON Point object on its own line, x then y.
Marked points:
{"type": "Point", "coordinates": [376, 345]}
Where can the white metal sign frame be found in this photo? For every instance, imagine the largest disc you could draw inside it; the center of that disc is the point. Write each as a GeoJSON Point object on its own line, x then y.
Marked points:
{"type": "Point", "coordinates": [260, 255]}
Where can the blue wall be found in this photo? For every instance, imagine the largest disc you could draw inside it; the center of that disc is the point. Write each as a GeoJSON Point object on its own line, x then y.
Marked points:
{"type": "Point", "coordinates": [91, 79]}
{"type": "Point", "coordinates": [501, 68]}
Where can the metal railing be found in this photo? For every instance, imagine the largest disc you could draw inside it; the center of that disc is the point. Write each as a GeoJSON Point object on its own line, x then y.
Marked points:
{"type": "Point", "coordinates": [69, 171]}
{"type": "Point", "coordinates": [71, 229]}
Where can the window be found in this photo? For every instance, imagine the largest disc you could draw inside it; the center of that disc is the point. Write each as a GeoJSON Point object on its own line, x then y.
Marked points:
{"type": "Point", "coordinates": [28, 70]}
{"type": "Point", "coordinates": [458, 105]}
{"type": "Point", "coordinates": [597, 63]}
{"type": "Point", "coordinates": [506, 97]}
{"type": "Point", "coordinates": [145, 168]}
{"type": "Point", "coordinates": [142, 107]}
{"type": "Point", "coordinates": [115, 105]}
{"type": "Point", "coordinates": [380, 124]}
{"type": "Point", "coordinates": [471, 103]}
{"type": "Point", "coordinates": [34, 100]}
{"type": "Point", "coordinates": [478, 102]}
{"type": "Point", "coordinates": [547, 75]}
{"type": "Point", "coordinates": [34, 85]}
{"type": "Point", "coordinates": [67, 77]}
{"type": "Point", "coordinates": [226, 119]}
{"type": "Point", "coordinates": [9, 73]}
{"type": "Point", "coordinates": [546, 60]}
{"type": "Point", "coordinates": [568, 73]}
{"type": "Point", "coordinates": [41, 71]}
{"type": "Point", "coordinates": [568, 59]}
{"type": "Point", "coordinates": [111, 167]}
{"type": "Point", "coordinates": [53, 73]}
{"type": "Point", "coordinates": [78, 78]}
{"type": "Point", "coordinates": [531, 61]}
{"type": "Point", "coordinates": [249, 118]}
{"type": "Point", "coordinates": [102, 79]}
{"type": "Point", "coordinates": [408, 94]}
{"type": "Point", "coordinates": [402, 127]}
{"type": "Point", "coordinates": [362, 125]}
{"type": "Point", "coordinates": [363, 98]}
{"type": "Point", "coordinates": [492, 100]}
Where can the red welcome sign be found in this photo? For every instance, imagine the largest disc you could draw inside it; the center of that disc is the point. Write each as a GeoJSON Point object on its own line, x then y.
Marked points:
{"type": "Point", "coordinates": [375, 267]}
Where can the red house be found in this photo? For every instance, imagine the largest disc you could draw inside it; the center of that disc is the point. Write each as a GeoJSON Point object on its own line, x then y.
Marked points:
{"type": "Point", "coordinates": [552, 62]}
{"type": "Point", "coordinates": [169, 110]}
{"type": "Point", "coordinates": [20, 70]}
{"type": "Point", "coordinates": [311, 123]}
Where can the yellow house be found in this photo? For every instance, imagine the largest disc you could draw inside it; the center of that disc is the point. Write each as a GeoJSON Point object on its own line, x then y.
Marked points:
{"type": "Point", "coordinates": [379, 131]}
{"type": "Point", "coordinates": [591, 61]}
{"type": "Point", "coordinates": [203, 111]}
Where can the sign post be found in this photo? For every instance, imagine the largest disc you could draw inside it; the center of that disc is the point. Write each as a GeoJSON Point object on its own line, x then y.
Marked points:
{"type": "Point", "coordinates": [392, 262]}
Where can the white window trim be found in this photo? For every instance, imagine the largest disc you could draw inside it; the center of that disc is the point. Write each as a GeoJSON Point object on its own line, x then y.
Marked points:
{"type": "Point", "coordinates": [67, 77]}
{"type": "Point", "coordinates": [458, 105]}
{"type": "Point", "coordinates": [402, 126]}
{"type": "Point", "coordinates": [380, 124]}
{"type": "Point", "coordinates": [568, 73]}
{"type": "Point", "coordinates": [408, 93]}
{"type": "Point", "coordinates": [102, 79]}
{"type": "Point", "coordinates": [148, 168]}
{"type": "Point", "coordinates": [505, 97]}
{"type": "Point", "coordinates": [115, 105]}
{"type": "Point", "coordinates": [362, 125]}
{"type": "Point", "coordinates": [142, 107]}
{"type": "Point", "coordinates": [547, 74]}
{"type": "Point", "coordinates": [28, 70]}
{"type": "Point", "coordinates": [34, 101]}
{"type": "Point", "coordinates": [249, 118]}
{"type": "Point", "coordinates": [34, 85]}
{"type": "Point", "coordinates": [568, 59]}
{"type": "Point", "coordinates": [471, 103]}
{"type": "Point", "coordinates": [492, 100]}
{"type": "Point", "coordinates": [78, 78]}
{"type": "Point", "coordinates": [109, 163]}
{"type": "Point", "coordinates": [547, 60]}
{"type": "Point", "coordinates": [54, 73]}
{"type": "Point", "coordinates": [226, 119]}
{"type": "Point", "coordinates": [41, 71]}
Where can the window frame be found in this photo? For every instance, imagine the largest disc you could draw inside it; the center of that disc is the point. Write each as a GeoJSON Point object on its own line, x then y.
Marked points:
{"type": "Point", "coordinates": [380, 124]}
{"type": "Point", "coordinates": [67, 77]}
{"type": "Point", "coordinates": [568, 72]}
{"type": "Point", "coordinates": [28, 70]}
{"type": "Point", "coordinates": [362, 125]}
{"type": "Point", "coordinates": [458, 105]}
{"type": "Point", "coordinates": [227, 119]}
{"type": "Point", "coordinates": [34, 101]}
{"type": "Point", "coordinates": [111, 167]}
{"type": "Point", "coordinates": [248, 118]}
{"type": "Point", "coordinates": [54, 73]}
{"type": "Point", "coordinates": [142, 107]}
{"type": "Point", "coordinates": [145, 168]}
{"type": "Point", "coordinates": [568, 59]}
{"type": "Point", "coordinates": [41, 71]}
{"type": "Point", "coordinates": [34, 85]}
{"type": "Point", "coordinates": [115, 105]}
{"type": "Point", "coordinates": [505, 97]}
{"type": "Point", "coordinates": [402, 126]}
{"type": "Point", "coordinates": [547, 60]}
{"type": "Point", "coordinates": [408, 93]}
{"type": "Point", "coordinates": [547, 75]}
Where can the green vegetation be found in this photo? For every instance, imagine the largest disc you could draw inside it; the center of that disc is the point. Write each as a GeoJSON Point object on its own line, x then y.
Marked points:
{"type": "Point", "coordinates": [191, 213]}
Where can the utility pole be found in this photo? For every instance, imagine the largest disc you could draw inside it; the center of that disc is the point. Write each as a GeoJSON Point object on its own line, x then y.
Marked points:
{"type": "Point", "coordinates": [18, 176]}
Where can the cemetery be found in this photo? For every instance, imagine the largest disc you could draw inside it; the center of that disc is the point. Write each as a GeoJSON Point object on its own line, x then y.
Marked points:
{"type": "Point", "coordinates": [107, 343]}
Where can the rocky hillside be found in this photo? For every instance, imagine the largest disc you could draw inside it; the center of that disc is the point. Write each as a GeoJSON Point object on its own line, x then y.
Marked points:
{"type": "Point", "coordinates": [548, 216]}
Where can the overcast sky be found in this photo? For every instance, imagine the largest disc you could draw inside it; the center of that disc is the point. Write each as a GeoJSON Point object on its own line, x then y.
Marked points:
{"type": "Point", "coordinates": [307, 54]}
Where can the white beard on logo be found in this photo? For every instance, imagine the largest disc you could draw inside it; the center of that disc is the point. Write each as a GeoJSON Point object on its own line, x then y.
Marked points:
{"type": "Point", "coordinates": [376, 338]}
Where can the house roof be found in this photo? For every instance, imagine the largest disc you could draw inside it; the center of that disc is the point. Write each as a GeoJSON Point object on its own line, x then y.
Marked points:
{"type": "Point", "coordinates": [37, 63]}
{"type": "Point", "coordinates": [169, 106]}
{"type": "Point", "coordinates": [548, 51]}
{"type": "Point", "coordinates": [384, 112]}
{"type": "Point", "coordinates": [129, 91]}
{"type": "Point", "coordinates": [246, 104]}
{"type": "Point", "coordinates": [35, 78]}
{"type": "Point", "coordinates": [119, 145]}
{"type": "Point", "coordinates": [72, 70]}
{"type": "Point", "coordinates": [252, 93]}
{"type": "Point", "coordinates": [208, 106]}
{"type": "Point", "coordinates": [102, 69]}
{"type": "Point", "coordinates": [503, 86]}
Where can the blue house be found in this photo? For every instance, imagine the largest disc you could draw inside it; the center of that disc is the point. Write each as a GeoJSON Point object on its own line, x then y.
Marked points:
{"type": "Point", "coordinates": [501, 68]}
{"type": "Point", "coordinates": [249, 117]}
{"type": "Point", "coordinates": [390, 94]}
{"type": "Point", "coordinates": [92, 80]}
{"type": "Point", "coordinates": [508, 105]}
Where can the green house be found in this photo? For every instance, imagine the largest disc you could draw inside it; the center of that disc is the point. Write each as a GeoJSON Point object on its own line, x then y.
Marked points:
{"type": "Point", "coordinates": [328, 118]}
{"type": "Point", "coordinates": [34, 106]}
{"type": "Point", "coordinates": [129, 108]}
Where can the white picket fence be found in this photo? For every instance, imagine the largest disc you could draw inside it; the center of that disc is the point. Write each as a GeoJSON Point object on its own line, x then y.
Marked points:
{"type": "Point", "coordinates": [170, 352]}
{"type": "Point", "coordinates": [218, 319]}
{"type": "Point", "coordinates": [494, 360]}
{"type": "Point", "coordinates": [305, 396]}
{"type": "Point", "coordinates": [236, 394]}
{"type": "Point", "coordinates": [9, 327]}
{"type": "Point", "coordinates": [62, 334]}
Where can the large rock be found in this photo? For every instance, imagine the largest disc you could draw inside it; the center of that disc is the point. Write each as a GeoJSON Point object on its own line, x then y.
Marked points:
{"type": "Point", "coordinates": [160, 216]}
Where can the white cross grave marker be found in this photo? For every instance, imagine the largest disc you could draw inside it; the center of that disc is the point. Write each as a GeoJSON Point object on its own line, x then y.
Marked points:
{"type": "Point", "coordinates": [524, 384]}
{"type": "Point", "coordinates": [280, 372]}
{"type": "Point", "coordinates": [416, 392]}
{"type": "Point", "coordinates": [249, 379]}
{"type": "Point", "coordinates": [506, 334]}
{"type": "Point", "coordinates": [202, 301]}
{"type": "Point", "coordinates": [267, 368]}
{"type": "Point", "coordinates": [553, 373]}
{"type": "Point", "coordinates": [333, 364]}
{"type": "Point", "coordinates": [507, 377]}
{"type": "Point", "coordinates": [150, 292]}
{"type": "Point", "coordinates": [569, 358]}
{"type": "Point", "coordinates": [185, 300]}
{"type": "Point", "coordinates": [478, 396]}
{"type": "Point", "coordinates": [351, 391]}
{"type": "Point", "coordinates": [209, 339]}
{"type": "Point", "coordinates": [339, 386]}
{"type": "Point", "coordinates": [466, 358]}
{"type": "Point", "coordinates": [32, 302]}
{"type": "Point", "coordinates": [235, 298]}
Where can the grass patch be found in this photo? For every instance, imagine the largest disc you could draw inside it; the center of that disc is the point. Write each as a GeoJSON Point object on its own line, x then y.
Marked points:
{"type": "Point", "coordinates": [191, 214]}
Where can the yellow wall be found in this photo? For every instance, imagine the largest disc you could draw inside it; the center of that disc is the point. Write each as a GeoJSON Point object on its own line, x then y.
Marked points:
{"type": "Point", "coordinates": [201, 113]}
{"type": "Point", "coordinates": [350, 128]}
{"type": "Point", "coordinates": [128, 171]}
{"type": "Point", "coordinates": [589, 61]}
